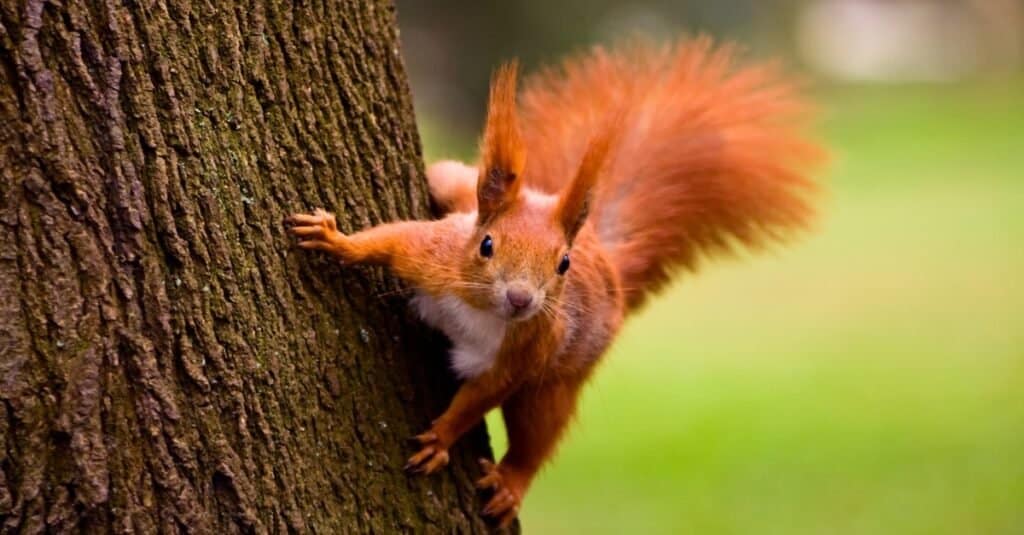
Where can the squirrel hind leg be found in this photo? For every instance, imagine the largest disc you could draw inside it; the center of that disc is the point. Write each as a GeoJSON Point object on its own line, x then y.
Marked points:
{"type": "Point", "coordinates": [535, 419]}
{"type": "Point", "coordinates": [453, 185]}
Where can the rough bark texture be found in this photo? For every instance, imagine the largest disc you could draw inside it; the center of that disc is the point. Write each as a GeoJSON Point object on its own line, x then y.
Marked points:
{"type": "Point", "coordinates": [168, 360]}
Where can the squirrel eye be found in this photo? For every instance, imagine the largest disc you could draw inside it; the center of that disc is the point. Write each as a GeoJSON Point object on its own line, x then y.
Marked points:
{"type": "Point", "coordinates": [487, 247]}
{"type": "Point", "coordinates": [563, 266]}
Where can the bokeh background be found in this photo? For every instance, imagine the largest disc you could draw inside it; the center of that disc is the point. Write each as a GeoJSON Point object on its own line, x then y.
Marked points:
{"type": "Point", "coordinates": [868, 379]}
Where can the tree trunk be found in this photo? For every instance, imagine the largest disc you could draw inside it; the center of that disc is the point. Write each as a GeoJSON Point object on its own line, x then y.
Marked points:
{"type": "Point", "coordinates": [168, 360]}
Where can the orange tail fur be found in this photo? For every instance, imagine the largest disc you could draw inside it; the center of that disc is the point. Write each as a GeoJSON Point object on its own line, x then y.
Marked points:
{"type": "Point", "coordinates": [710, 156]}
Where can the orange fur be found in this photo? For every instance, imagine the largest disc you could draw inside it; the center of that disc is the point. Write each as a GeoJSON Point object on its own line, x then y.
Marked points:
{"type": "Point", "coordinates": [711, 155]}
{"type": "Point", "coordinates": [453, 185]}
{"type": "Point", "coordinates": [672, 152]}
{"type": "Point", "coordinates": [574, 203]}
{"type": "Point", "coordinates": [502, 151]}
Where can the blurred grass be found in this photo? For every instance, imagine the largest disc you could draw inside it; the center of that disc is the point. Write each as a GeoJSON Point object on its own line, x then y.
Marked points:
{"type": "Point", "coordinates": [869, 379]}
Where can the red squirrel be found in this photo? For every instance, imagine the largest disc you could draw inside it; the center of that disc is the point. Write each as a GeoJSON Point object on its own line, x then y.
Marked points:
{"type": "Point", "coordinates": [613, 172]}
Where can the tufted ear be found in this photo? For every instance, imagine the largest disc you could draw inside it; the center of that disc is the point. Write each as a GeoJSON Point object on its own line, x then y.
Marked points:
{"type": "Point", "coordinates": [574, 201]}
{"type": "Point", "coordinates": [503, 154]}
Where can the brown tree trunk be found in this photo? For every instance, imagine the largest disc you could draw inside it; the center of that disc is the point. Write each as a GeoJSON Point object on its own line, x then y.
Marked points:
{"type": "Point", "coordinates": [168, 360]}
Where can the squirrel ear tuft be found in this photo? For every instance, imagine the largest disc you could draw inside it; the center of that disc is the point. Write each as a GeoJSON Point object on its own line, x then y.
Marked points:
{"type": "Point", "coordinates": [574, 202]}
{"type": "Point", "coordinates": [503, 154]}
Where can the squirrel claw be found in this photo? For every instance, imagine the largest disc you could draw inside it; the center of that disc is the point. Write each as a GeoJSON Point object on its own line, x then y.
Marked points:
{"type": "Point", "coordinates": [431, 458]}
{"type": "Point", "coordinates": [503, 505]}
{"type": "Point", "coordinates": [427, 461]}
{"type": "Point", "coordinates": [491, 479]}
{"type": "Point", "coordinates": [425, 438]}
{"type": "Point", "coordinates": [319, 224]}
{"type": "Point", "coordinates": [318, 230]}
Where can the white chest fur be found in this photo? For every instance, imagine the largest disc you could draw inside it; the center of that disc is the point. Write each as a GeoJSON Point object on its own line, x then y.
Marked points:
{"type": "Point", "coordinates": [475, 334]}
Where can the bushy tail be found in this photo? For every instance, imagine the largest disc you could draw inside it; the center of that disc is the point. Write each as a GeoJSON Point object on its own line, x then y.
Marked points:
{"type": "Point", "coordinates": [710, 156]}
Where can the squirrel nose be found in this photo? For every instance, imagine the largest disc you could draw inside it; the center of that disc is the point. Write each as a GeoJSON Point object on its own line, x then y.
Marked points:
{"type": "Point", "coordinates": [519, 298]}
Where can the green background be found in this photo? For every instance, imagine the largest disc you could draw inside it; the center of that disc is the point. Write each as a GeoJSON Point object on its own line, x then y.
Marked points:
{"type": "Point", "coordinates": [866, 379]}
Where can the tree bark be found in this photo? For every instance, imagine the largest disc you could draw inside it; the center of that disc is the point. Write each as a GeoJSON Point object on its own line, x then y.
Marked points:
{"type": "Point", "coordinates": [168, 360]}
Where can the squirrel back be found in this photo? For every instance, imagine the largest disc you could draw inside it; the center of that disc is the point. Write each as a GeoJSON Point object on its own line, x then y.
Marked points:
{"type": "Point", "coordinates": [706, 155]}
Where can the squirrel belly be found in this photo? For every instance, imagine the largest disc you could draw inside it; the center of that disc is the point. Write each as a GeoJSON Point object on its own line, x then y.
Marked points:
{"type": "Point", "coordinates": [475, 334]}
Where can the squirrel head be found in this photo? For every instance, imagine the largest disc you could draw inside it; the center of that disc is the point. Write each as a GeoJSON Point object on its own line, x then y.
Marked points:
{"type": "Point", "coordinates": [518, 260]}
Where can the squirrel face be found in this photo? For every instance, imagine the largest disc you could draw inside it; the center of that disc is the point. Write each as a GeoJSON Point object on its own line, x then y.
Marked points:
{"type": "Point", "coordinates": [516, 263]}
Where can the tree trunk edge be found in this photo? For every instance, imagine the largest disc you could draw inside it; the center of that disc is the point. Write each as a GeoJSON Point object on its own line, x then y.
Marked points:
{"type": "Point", "coordinates": [168, 360]}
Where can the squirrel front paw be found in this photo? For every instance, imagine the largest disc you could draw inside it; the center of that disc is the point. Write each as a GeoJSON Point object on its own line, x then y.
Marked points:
{"type": "Point", "coordinates": [318, 230]}
{"type": "Point", "coordinates": [433, 454]}
{"type": "Point", "coordinates": [506, 492]}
